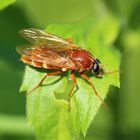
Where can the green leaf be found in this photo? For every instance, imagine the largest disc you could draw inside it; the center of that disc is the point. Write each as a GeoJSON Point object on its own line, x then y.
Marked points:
{"type": "Point", "coordinates": [5, 3]}
{"type": "Point", "coordinates": [47, 106]}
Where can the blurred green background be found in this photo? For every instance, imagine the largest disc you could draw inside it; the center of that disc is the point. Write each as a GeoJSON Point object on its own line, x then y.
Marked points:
{"type": "Point", "coordinates": [123, 119]}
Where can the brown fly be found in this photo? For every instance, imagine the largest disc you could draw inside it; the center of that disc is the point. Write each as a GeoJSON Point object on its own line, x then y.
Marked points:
{"type": "Point", "coordinates": [49, 51]}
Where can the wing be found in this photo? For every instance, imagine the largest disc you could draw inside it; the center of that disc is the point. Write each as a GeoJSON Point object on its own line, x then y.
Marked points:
{"type": "Point", "coordinates": [41, 38]}
{"type": "Point", "coordinates": [42, 57]}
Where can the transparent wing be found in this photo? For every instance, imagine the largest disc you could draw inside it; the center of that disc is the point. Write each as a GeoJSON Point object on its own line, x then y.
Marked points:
{"type": "Point", "coordinates": [39, 37]}
{"type": "Point", "coordinates": [47, 57]}
{"type": "Point", "coordinates": [22, 49]}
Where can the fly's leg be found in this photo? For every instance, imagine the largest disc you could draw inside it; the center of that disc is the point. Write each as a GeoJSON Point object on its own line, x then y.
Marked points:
{"type": "Point", "coordinates": [41, 81]}
{"type": "Point", "coordinates": [72, 77]}
{"type": "Point", "coordinates": [84, 76]}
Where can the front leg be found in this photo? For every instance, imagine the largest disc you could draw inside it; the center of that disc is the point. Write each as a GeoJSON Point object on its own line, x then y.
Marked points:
{"type": "Point", "coordinates": [84, 76]}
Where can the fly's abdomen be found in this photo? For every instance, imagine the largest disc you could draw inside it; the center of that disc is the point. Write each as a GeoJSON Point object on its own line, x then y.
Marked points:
{"type": "Point", "coordinates": [32, 62]}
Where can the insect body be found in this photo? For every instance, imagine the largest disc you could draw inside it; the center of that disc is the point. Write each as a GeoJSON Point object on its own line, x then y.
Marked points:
{"type": "Point", "coordinates": [48, 51]}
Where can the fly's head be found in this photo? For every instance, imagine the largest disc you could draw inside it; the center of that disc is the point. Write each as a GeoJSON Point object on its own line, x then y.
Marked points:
{"type": "Point", "coordinates": [97, 68]}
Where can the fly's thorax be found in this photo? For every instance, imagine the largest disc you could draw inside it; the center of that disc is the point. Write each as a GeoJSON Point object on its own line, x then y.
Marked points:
{"type": "Point", "coordinates": [82, 59]}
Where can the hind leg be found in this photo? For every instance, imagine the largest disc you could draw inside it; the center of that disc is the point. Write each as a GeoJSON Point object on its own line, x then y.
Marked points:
{"type": "Point", "coordinates": [42, 80]}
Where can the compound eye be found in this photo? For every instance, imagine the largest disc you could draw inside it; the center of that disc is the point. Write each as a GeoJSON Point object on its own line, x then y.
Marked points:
{"type": "Point", "coordinates": [96, 67]}
{"type": "Point", "coordinates": [97, 60]}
